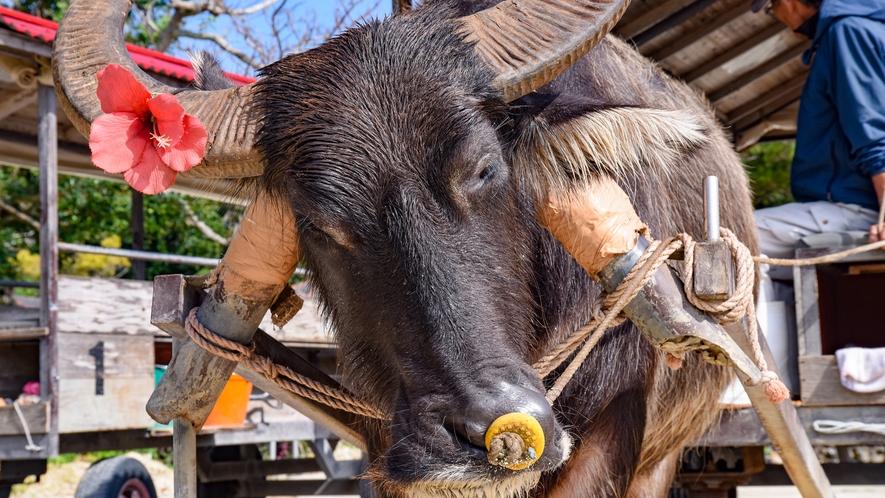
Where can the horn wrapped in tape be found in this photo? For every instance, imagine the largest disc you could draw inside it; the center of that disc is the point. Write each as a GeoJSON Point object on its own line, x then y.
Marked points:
{"type": "Point", "coordinates": [91, 36]}
{"type": "Point", "coordinates": [530, 42]}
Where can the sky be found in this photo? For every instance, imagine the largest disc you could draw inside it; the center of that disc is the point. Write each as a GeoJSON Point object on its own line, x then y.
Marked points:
{"type": "Point", "coordinates": [324, 10]}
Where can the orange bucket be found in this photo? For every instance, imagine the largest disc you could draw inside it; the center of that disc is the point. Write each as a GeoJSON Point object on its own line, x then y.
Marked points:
{"type": "Point", "coordinates": [230, 409]}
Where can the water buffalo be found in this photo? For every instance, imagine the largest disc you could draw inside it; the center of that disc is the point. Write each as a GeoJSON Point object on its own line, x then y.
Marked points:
{"type": "Point", "coordinates": [415, 165]}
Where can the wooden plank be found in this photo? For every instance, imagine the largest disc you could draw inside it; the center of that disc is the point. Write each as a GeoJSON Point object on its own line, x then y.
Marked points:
{"type": "Point", "coordinates": [733, 53]}
{"type": "Point", "coordinates": [37, 417]}
{"type": "Point", "coordinates": [120, 406]}
{"type": "Point", "coordinates": [758, 109]}
{"type": "Point", "coordinates": [807, 313]}
{"type": "Point", "coordinates": [754, 74]}
{"type": "Point", "coordinates": [698, 33]}
{"type": "Point", "coordinates": [17, 101]}
{"type": "Point", "coordinates": [84, 306]}
{"type": "Point", "coordinates": [743, 427]}
{"type": "Point", "coordinates": [24, 43]}
{"type": "Point", "coordinates": [863, 269]}
{"type": "Point", "coordinates": [121, 357]}
{"type": "Point", "coordinates": [23, 334]}
{"type": "Point", "coordinates": [650, 18]}
{"type": "Point", "coordinates": [819, 377]}
{"type": "Point", "coordinates": [105, 380]}
{"type": "Point", "coordinates": [671, 22]}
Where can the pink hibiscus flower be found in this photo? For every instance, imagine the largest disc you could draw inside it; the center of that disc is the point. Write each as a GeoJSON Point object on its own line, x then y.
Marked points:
{"type": "Point", "coordinates": [150, 139]}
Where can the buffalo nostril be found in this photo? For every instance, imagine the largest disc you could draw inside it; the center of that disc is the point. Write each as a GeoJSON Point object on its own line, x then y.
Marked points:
{"type": "Point", "coordinates": [515, 441]}
{"type": "Point", "coordinates": [486, 406]}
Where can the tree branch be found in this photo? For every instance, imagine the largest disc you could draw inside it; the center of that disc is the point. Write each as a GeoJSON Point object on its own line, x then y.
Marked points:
{"type": "Point", "coordinates": [20, 215]}
{"type": "Point", "coordinates": [224, 44]}
{"type": "Point", "coordinates": [251, 10]}
{"type": "Point", "coordinates": [196, 222]}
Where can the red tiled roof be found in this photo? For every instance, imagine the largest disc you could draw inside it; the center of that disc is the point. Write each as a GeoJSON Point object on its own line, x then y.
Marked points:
{"type": "Point", "coordinates": [150, 60]}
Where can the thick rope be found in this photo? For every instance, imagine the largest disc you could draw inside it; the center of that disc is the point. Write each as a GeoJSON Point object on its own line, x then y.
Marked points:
{"type": "Point", "coordinates": [820, 260]}
{"type": "Point", "coordinates": [739, 305]}
{"type": "Point", "coordinates": [280, 375]}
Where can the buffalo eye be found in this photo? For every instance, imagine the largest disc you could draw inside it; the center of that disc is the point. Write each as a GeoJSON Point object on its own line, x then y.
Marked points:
{"type": "Point", "coordinates": [307, 227]}
{"type": "Point", "coordinates": [484, 175]}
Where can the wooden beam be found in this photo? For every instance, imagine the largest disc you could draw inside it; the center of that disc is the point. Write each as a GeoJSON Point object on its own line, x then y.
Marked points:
{"type": "Point", "coordinates": [47, 143]}
{"type": "Point", "coordinates": [754, 74]}
{"type": "Point", "coordinates": [671, 22]}
{"type": "Point", "coordinates": [18, 42]}
{"type": "Point", "coordinates": [36, 416]}
{"type": "Point", "coordinates": [756, 110]}
{"type": "Point", "coordinates": [743, 427]}
{"type": "Point", "coordinates": [17, 101]}
{"type": "Point", "coordinates": [733, 53]}
{"type": "Point", "coordinates": [821, 385]}
{"type": "Point", "coordinates": [697, 33]}
{"type": "Point", "coordinates": [23, 334]}
{"type": "Point", "coordinates": [650, 18]}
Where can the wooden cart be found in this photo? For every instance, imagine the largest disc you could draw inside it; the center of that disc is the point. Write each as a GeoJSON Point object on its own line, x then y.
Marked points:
{"type": "Point", "coordinates": [107, 351]}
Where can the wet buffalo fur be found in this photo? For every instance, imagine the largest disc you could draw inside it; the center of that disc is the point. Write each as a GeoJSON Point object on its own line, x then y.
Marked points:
{"type": "Point", "coordinates": [415, 186]}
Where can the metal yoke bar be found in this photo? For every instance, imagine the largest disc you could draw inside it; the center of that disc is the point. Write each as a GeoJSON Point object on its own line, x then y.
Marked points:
{"type": "Point", "coordinates": [666, 318]}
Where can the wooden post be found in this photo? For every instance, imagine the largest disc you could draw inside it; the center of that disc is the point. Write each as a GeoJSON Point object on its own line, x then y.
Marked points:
{"type": "Point", "coordinates": [138, 266]}
{"type": "Point", "coordinates": [184, 453]}
{"type": "Point", "coordinates": [47, 141]}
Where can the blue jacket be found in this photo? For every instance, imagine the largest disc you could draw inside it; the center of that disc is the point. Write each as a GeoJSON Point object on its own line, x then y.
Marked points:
{"type": "Point", "coordinates": [840, 141]}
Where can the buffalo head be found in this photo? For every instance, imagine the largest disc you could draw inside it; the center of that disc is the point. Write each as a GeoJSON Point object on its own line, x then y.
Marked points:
{"type": "Point", "coordinates": [394, 145]}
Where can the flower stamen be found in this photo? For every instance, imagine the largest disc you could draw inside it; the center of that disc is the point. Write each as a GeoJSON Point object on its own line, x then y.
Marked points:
{"type": "Point", "coordinates": [162, 140]}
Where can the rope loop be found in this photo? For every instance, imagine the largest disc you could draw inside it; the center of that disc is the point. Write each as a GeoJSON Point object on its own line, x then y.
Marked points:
{"type": "Point", "coordinates": [280, 375]}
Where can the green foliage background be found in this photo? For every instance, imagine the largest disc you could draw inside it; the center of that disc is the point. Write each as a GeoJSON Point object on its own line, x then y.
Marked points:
{"type": "Point", "coordinates": [135, 28]}
{"type": "Point", "coordinates": [93, 210]}
{"type": "Point", "coordinates": [768, 165]}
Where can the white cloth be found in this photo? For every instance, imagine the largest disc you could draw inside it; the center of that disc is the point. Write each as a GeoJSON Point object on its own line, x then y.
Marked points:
{"type": "Point", "coordinates": [862, 370]}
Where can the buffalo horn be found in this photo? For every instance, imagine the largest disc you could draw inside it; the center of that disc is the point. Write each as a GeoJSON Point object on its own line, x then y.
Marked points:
{"type": "Point", "coordinates": [91, 36]}
{"type": "Point", "coordinates": [530, 42]}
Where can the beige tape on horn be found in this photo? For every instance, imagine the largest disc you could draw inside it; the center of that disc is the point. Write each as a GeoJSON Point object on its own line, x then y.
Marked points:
{"type": "Point", "coordinates": [595, 224]}
{"type": "Point", "coordinates": [263, 253]}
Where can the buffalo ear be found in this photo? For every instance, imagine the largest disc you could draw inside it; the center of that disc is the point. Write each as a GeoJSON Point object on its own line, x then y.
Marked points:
{"type": "Point", "coordinates": [561, 145]}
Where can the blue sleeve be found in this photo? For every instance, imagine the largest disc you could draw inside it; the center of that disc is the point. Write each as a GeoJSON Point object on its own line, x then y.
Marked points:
{"type": "Point", "coordinates": [854, 49]}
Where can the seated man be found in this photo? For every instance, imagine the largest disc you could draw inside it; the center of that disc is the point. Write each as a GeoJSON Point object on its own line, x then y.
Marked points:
{"type": "Point", "coordinates": [838, 172]}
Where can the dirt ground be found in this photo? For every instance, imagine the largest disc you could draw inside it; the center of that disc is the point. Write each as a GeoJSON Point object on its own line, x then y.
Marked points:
{"type": "Point", "coordinates": [61, 482]}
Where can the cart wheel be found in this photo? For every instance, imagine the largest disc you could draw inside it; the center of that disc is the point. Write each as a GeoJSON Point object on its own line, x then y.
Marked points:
{"type": "Point", "coordinates": [118, 477]}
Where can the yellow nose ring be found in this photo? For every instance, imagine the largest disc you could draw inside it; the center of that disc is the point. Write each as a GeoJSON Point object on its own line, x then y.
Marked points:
{"type": "Point", "coordinates": [515, 441]}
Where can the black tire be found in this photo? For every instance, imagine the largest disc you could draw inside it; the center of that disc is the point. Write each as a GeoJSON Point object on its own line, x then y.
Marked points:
{"type": "Point", "coordinates": [116, 477]}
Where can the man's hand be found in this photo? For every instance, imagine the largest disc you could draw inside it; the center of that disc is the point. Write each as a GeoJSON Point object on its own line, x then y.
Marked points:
{"type": "Point", "coordinates": [879, 184]}
{"type": "Point", "coordinates": [875, 236]}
